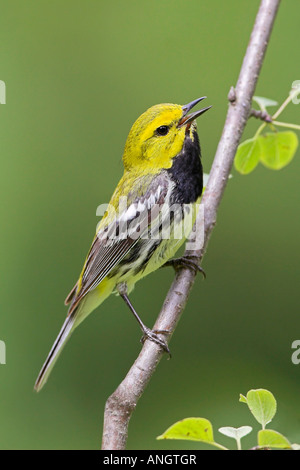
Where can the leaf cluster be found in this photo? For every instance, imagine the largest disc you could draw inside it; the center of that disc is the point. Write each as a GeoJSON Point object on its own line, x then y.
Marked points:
{"type": "Point", "coordinates": [273, 149]}
{"type": "Point", "coordinates": [263, 407]}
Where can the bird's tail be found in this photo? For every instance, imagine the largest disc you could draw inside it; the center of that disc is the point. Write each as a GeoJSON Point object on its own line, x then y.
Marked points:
{"type": "Point", "coordinates": [56, 349]}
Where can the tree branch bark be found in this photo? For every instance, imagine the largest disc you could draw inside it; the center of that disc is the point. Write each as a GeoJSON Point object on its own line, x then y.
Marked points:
{"type": "Point", "coordinates": [122, 402]}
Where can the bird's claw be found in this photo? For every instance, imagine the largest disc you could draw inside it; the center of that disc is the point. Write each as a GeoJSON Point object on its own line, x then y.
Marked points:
{"type": "Point", "coordinates": [185, 262]}
{"type": "Point", "coordinates": [153, 336]}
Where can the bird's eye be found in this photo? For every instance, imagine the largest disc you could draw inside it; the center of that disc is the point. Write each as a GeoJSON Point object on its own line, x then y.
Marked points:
{"type": "Point", "coordinates": [162, 130]}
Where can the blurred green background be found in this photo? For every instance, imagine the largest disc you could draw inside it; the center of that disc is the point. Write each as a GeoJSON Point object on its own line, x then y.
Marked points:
{"type": "Point", "coordinates": [78, 74]}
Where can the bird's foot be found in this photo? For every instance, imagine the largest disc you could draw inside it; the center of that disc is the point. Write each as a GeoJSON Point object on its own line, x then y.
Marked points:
{"type": "Point", "coordinates": [185, 262]}
{"type": "Point", "coordinates": [153, 336]}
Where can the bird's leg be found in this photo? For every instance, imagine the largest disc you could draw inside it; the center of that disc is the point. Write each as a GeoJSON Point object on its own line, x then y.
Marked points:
{"type": "Point", "coordinates": [147, 332]}
{"type": "Point", "coordinates": [185, 262]}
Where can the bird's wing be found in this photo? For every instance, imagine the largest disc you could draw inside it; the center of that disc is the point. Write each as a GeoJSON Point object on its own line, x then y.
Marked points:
{"type": "Point", "coordinates": [114, 240]}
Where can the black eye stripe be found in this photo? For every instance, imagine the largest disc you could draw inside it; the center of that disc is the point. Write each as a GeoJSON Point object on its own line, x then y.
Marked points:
{"type": "Point", "coordinates": [162, 130]}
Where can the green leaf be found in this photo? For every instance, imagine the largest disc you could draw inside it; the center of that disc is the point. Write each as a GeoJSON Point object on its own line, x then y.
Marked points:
{"type": "Point", "coordinates": [263, 102]}
{"type": "Point", "coordinates": [262, 405]}
{"type": "Point", "coordinates": [243, 399]}
{"type": "Point", "coordinates": [270, 438]}
{"type": "Point", "coordinates": [278, 149]}
{"type": "Point", "coordinates": [235, 433]}
{"type": "Point", "coordinates": [191, 429]}
{"type": "Point", "coordinates": [247, 156]}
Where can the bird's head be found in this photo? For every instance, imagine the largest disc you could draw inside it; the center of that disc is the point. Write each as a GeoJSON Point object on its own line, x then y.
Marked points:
{"type": "Point", "coordinates": [159, 134]}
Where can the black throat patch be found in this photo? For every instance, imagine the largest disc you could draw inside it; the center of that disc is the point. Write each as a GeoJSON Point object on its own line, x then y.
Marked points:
{"type": "Point", "coordinates": [187, 172]}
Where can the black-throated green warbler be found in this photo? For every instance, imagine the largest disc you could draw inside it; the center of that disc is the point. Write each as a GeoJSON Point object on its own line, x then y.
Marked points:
{"type": "Point", "coordinates": [159, 190]}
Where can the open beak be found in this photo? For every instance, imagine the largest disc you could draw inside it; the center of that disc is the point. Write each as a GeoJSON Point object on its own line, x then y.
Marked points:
{"type": "Point", "coordinates": [187, 119]}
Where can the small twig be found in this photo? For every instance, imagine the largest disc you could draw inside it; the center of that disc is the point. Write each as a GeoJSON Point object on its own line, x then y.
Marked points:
{"type": "Point", "coordinates": [262, 115]}
{"type": "Point", "coordinates": [291, 96]}
{"type": "Point", "coordinates": [287, 124]}
{"type": "Point", "coordinates": [122, 402]}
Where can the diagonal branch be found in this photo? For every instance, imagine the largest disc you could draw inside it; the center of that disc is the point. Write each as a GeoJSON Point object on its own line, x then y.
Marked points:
{"type": "Point", "coordinates": [122, 402]}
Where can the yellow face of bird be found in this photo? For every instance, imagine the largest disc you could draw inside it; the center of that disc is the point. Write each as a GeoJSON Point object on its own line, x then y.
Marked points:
{"type": "Point", "coordinates": [158, 135]}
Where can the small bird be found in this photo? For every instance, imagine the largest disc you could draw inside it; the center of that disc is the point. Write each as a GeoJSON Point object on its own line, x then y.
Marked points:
{"type": "Point", "coordinates": [160, 187]}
